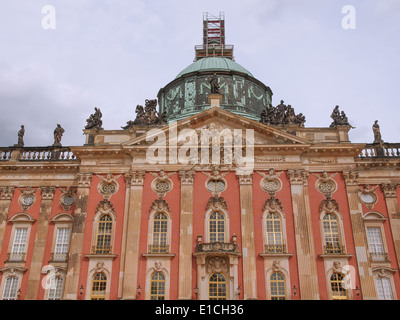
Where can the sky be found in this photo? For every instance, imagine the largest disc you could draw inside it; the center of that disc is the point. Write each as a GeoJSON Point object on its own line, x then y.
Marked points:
{"type": "Point", "coordinates": [115, 54]}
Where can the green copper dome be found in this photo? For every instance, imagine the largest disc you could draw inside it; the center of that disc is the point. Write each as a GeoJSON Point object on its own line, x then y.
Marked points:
{"type": "Point", "coordinates": [188, 93]}
{"type": "Point", "coordinates": [214, 64]}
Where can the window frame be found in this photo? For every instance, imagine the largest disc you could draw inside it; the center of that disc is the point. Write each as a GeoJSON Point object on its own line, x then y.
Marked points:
{"type": "Point", "coordinates": [158, 282]}
{"type": "Point", "coordinates": [104, 282]}
{"type": "Point", "coordinates": [218, 296]}
{"type": "Point", "coordinates": [17, 285]}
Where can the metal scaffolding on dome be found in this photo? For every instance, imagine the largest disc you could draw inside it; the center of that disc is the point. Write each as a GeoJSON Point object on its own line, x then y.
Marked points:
{"type": "Point", "coordinates": [214, 38]}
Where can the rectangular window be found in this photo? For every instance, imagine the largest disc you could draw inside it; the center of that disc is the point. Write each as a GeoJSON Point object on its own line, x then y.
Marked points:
{"type": "Point", "coordinates": [384, 289]}
{"type": "Point", "coordinates": [10, 289]}
{"type": "Point", "coordinates": [19, 244]}
{"type": "Point", "coordinates": [56, 287]}
{"type": "Point", "coordinates": [375, 244]}
{"type": "Point", "coordinates": [62, 243]}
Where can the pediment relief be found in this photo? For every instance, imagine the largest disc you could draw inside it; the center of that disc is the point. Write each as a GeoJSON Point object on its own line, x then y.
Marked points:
{"type": "Point", "coordinates": [217, 122]}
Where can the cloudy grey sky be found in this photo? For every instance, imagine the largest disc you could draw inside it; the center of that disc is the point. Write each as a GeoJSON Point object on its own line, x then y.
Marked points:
{"type": "Point", "coordinates": [115, 54]}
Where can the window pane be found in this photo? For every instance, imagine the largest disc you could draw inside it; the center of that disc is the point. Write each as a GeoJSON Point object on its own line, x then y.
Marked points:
{"type": "Point", "coordinates": [10, 288]}
{"type": "Point", "coordinates": [384, 289]}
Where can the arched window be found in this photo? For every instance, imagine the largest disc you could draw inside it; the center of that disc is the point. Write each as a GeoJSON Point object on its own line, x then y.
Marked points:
{"type": "Point", "coordinates": [331, 234]}
{"type": "Point", "coordinates": [217, 227]}
{"type": "Point", "coordinates": [157, 286]}
{"type": "Point", "coordinates": [103, 239]}
{"type": "Point", "coordinates": [274, 234]}
{"type": "Point", "coordinates": [339, 291]}
{"type": "Point", "coordinates": [10, 288]}
{"type": "Point", "coordinates": [277, 282]}
{"type": "Point", "coordinates": [160, 232]}
{"type": "Point", "coordinates": [99, 283]}
{"type": "Point", "coordinates": [56, 288]}
{"type": "Point", "coordinates": [217, 287]}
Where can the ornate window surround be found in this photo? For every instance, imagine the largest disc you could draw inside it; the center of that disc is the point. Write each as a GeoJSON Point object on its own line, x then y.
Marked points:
{"type": "Point", "coordinates": [60, 272]}
{"type": "Point", "coordinates": [273, 206]}
{"type": "Point", "coordinates": [11, 272]}
{"type": "Point", "coordinates": [162, 207]}
{"type": "Point", "coordinates": [374, 219]}
{"type": "Point", "coordinates": [98, 266]}
{"type": "Point", "coordinates": [277, 266]}
{"type": "Point", "coordinates": [337, 267]}
{"type": "Point", "coordinates": [61, 221]}
{"type": "Point", "coordinates": [385, 272]}
{"type": "Point", "coordinates": [20, 220]}
{"type": "Point", "coordinates": [157, 267]}
{"type": "Point", "coordinates": [330, 206]}
{"type": "Point", "coordinates": [104, 208]}
{"type": "Point", "coordinates": [217, 207]}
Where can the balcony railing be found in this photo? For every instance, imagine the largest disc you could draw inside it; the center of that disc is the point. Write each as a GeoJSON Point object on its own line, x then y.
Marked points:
{"type": "Point", "coordinates": [101, 250]}
{"type": "Point", "coordinates": [158, 248]}
{"type": "Point", "coordinates": [386, 150]}
{"type": "Point", "coordinates": [50, 153]}
{"type": "Point", "coordinates": [15, 257]}
{"type": "Point", "coordinates": [217, 247]}
{"type": "Point", "coordinates": [334, 249]}
{"type": "Point", "coordinates": [59, 257]}
{"type": "Point", "coordinates": [379, 257]}
{"type": "Point", "coordinates": [275, 248]}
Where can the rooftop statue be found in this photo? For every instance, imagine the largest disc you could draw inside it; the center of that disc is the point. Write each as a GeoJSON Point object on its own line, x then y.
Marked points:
{"type": "Point", "coordinates": [147, 116]}
{"type": "Point", "coordinates": [281, 114]}
{"type": "Point", "coordinates": [21, 133]}
{"type": "Point", "coordinates": [94, 121]}
{"type": "Point", "coordinates": [58, 133]}
{"type": "Point", "coordinates": [339, 118]}
{"type": "Point", "coordinates": [377, 133]}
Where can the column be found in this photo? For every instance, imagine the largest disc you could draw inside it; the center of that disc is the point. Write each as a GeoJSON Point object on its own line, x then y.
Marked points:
{"type": "Point", "coordinates": [389, 190]}
{"type": "Point", "coordinates": [306, 260]}
{"type": "Point", "coordinates": [248, 245]}
{"type": "Point", "coordinates": [131, 238]}
{"type": "Point", "coordinates": [5, 200]}
{"type": "Point", "coordinates": [77, 237]}
{"type": "Point", "coordinates": [36, 265]}
{"type": "Point", "coordinates": [186, 235]}
{"type": "Point", "coordinates": [359, 235]}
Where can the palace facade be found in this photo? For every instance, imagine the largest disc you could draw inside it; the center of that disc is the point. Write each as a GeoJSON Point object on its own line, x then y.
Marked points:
{"type": "Point", "coordinates": [216, 195]}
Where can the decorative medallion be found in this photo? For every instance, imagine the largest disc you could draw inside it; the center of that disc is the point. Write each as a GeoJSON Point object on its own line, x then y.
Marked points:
{"type": "Point", "coordinates": [108, 185]}
{"type": "Point", "coordinates": [27, 198]}
{"type": "Point", "coordinates": [368, 196]}
{"type": "Point", "coordinates": [325, 184]}
{"type": "Point", "coordinates": [67, 199]}
{"type": "Point", "coordinates": [216, 183]}
{"type": "Point", "coordinates": [162, 184]}
{"type": "Point", "coordinates": [270, 183]}
{"type": "Point", "coordinates": [216, 186]}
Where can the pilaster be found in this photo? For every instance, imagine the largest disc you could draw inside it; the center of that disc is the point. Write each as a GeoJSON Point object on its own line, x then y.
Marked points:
{"type": "Point", "coordinates": [131, 236]}
{"type": "Point", "coordinates": [306, 259]}
{"type": "Point", "coordinates": [248, 245]}
{"type": "Point", "coordinates": [6, 194]}
{"type": "Point", "coordinates": [77, 236]}
{"type": "Point", "coordinates": [40, 243]}
{"type": "Point", "coordinates": [392, 204]}
{"type": "Point", "coordinates": [186, 235]}
{"type": "Point", "coordinates": [359, 235]}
